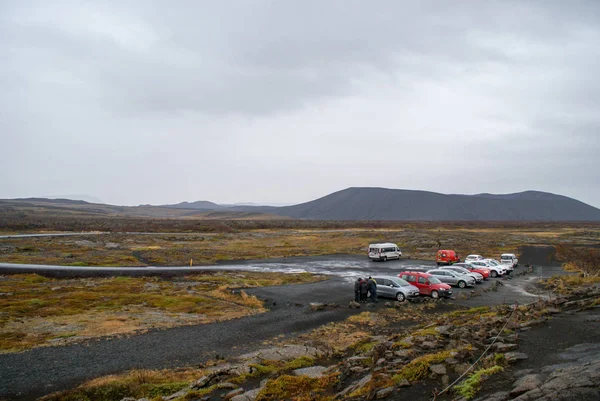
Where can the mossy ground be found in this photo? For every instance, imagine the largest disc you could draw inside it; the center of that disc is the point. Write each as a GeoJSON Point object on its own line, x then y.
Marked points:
{"type": "Point", "coordinates": [138, 384]}
{"type": "Point", "coordinates": [37, 310]}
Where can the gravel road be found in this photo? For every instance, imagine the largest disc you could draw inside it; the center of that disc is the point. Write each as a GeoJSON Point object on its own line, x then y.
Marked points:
{"type": "Point", "coordinates": [30, 374]}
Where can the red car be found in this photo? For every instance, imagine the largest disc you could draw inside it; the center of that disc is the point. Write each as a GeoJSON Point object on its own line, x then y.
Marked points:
{"type": "Point", "coordinates": [475, 269]}
{"type": "Point", "coordinates": [446, 257]}
{"type": "Point", "coordinates": [427, 284]}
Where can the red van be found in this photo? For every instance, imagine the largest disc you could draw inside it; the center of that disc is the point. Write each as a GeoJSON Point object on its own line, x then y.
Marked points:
{"type": "Point", "coordinates": [446, 257]}
{"type": "Point", "coordinates": [427, 284]}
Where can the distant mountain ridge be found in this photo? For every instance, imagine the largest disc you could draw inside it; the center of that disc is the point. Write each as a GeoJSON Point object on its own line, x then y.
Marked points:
{"type": "Point", "coordinates": [402, 204]}
{"type": "Point", "coordinates": [199, 205]}
{"type": "Point", "coordinates": [361, 204]}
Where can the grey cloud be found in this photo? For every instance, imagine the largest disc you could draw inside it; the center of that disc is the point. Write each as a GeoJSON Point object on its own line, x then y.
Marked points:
{"type": "Point", "coordinates": [269, 55]}
{"type": "Point", "coordinates": [264, 90]}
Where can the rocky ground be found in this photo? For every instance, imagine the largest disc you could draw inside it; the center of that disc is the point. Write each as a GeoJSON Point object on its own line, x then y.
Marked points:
{"type": "Point", "coordinates": [419, 365]}
{"type": "Point", "coordinates": [549, 349]}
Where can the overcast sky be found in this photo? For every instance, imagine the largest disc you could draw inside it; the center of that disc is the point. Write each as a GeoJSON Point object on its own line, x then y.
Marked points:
{"type": "Point", "coordinates": [271, 102]}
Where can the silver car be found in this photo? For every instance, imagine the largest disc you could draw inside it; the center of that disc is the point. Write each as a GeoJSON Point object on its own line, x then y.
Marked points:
{"type": "Point", "coordinates": [395, 287]}
{"type": "Point", "coordinates": [461, 270]}
{"type": "Point", "coordinates": [453, 278]}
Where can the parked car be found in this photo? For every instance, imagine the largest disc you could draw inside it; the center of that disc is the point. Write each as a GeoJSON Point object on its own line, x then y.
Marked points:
{"type": "Point", "coordinates": [494, 262]}
{"type": "Point", "coordinates": [485, 272]}
{"type": "Point", "coordinates": [461, 270]}
{"type": "Point", "coordinates": [427, 284]}
{"type": "Point", "coordinates": [384, 251]}
{"type": "Point", "coordinates": [452, 278]}
{"type": "Point", "coordinates": [472, 258]}
{"type": "Point", "coordinates": [509, 259]}
{"type": "Point", "coordinates": [446, 257]}
{"type": "Point", "coordinates": [395, 287]}
{"type": "Point", "coordinates": [495, 271]}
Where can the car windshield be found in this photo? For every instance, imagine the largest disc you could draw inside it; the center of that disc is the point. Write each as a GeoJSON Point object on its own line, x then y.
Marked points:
{"type": "Point", "coordinates": [493, 262]}
{"type": "Point", "coordinates": [434, 280]}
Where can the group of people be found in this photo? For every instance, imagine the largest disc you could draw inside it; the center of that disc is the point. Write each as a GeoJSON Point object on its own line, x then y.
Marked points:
{"type": "Point", "coordinates": [365, 289]}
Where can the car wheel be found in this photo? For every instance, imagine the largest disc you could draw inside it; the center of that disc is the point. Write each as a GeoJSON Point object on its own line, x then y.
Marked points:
{"type": "Point", "coordinates": [438, 263]}
{"type": "Point", "coordinates": [462, 284]}
{"type": "Point", "coordinates": [434, 294]}
{"type": "Point", "coordinates": [385, 258]}
{"type": "Point", "coordinates": [400, 297]}
{"type": "Point", "coordinates": [494, 273]}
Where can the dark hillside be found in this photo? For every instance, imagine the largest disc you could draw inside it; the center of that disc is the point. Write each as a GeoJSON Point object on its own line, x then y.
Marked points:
{"type": "Point", "coordinates": [399, 204]}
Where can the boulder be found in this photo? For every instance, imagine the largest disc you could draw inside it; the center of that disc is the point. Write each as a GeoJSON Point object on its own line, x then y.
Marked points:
{"type": "Point", "coordinates": [363, 382]}
{"type": "Point", "coordinates": [247, 396]}
{"type": "Point", "coordinates": [429, 345]}
{"type": "Point", "coordinates": [203, 381]}
{"type": "Point", "coordinates": [403, 353]}
{"type": "Point", "coordinates": [177, 395]}
{"type": "Point", "coordinates": [526, 383]}
{"type": "Point", "coordinates": [317, 306]}
{"type": "Point", "coordinates": [233, 393]}
{"type": "Point", "coordinates": [522, 372]}
{"type": "Point", "coordinates": [502, 347]}
{"type": "Point", "coordinates": [384, 393]}
{"type": "Point", "coordinates": [515, 356]}
{"type": "Point", "coordinates": [314, 372]}
{"type": "Point", "coordinates": [438, 369]}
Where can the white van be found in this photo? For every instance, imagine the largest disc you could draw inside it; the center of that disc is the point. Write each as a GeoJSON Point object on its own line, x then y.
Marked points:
{"type": "Point", "coordinates": [509, 259]}
{"type": "Point", "coordinates": [384, 251]}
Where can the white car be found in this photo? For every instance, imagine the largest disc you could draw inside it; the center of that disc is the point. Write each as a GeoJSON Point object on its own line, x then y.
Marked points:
{"type": "Point", "coordinates": [509, 259]}
{"type": "Point", "coordinates": [461, 270]}
{"type": "Point", "coordinates": [494, 262]}
{"type": "Point", "coordinates": [472, 258]}
{"type": "Point", "coordinates": [495, 271]}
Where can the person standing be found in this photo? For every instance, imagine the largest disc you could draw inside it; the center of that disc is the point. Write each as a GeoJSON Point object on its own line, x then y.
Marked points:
{"type": "Point", "coordinates": [357, 290]}
{"type": "Point", "coordinates": [363, 290]}
{"type": "Point", "coordinates": [373, 289]}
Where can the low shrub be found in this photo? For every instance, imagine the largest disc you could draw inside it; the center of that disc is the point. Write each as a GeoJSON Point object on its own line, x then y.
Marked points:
{"type": "Point", "coordinates": [471, 386]}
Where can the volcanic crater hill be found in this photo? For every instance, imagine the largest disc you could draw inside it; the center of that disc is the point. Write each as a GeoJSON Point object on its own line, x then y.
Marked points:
{"type": "Point", "coordinates": [400, 204]}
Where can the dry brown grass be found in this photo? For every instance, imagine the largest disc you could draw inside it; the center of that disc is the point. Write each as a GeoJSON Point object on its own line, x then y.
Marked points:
{"type": "Point", "coordinates": [44, 311]}
{"type": "Point", "coordinates": [136, 383]}
{"type": "Point", "coordinates": [416, 241]}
